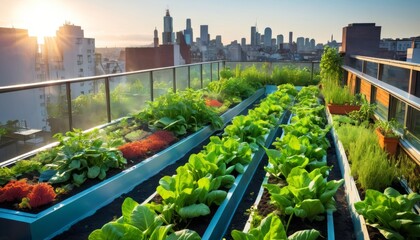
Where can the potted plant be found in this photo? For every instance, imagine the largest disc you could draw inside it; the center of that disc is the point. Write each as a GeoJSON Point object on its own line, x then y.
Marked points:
{"type": "Point", "coordinates": [388, 137]}
{"type": "Point", "coordinates": [339, 99]}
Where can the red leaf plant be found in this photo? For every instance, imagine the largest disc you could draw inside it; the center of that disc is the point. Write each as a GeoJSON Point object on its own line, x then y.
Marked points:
{"type": "Point", "coordinates": [41, 194]}
{"type": "Point", "coordinates": [153, 143]}
{"type": "Point", "coordinates": [14, 190]}
{"type": "Point", "coordinates": [213, 103]}
{"type": "Point", "coordinates": [30, 195]}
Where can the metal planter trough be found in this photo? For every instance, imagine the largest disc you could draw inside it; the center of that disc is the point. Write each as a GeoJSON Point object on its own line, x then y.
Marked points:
{"type": "Point", "coordinates": [223, 216]}
{"type": "Point", "coordinates": [352, 195]}
{"type": "Point", "coordinates": [58, 218]}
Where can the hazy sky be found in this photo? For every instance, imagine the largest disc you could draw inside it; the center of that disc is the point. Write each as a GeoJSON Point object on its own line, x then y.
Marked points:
{"type": "Point", "coordinates": [131, 22]}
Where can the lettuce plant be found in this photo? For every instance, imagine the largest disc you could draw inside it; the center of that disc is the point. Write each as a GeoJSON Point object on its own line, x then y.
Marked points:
{"type": "Point", "coordinates": [140, 222]}
{"type": "Point", "coordinates": [84, 155]}
{"type": "Point", "coordinates": [307, 195]}
{"type": "Point", "coordinates": [391, 213]}
{"type": "Point", "coordinates": [271, 227]}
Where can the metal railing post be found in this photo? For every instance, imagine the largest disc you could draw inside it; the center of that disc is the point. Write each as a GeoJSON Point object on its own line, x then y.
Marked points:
{"type": "Point", "coordinates": [312, 71]}
{"type": "Point", "coordinates": [174, 79]}
{"type": "Point", "coordinates": [151, 85]}
{"type": "Point", "coordinates": [201, 74]}
{"type": "Point", "coordinates": [108, 99]}
{"type": "Point", "coordinates": [69, 108]}
{"type": "Point", "coordinates": [189, 77]}
{"type": "Point", "coordinates": [211, 72]}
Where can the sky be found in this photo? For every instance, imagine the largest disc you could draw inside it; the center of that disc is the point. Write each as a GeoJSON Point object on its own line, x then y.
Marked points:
{"type": "Point", "coordinates": [128, 23]}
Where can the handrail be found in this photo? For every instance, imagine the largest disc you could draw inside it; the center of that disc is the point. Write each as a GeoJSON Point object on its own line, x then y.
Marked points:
{"type": "Point", "coordinates": [395, 63]}
{"type": "Point", "coordinates": [18, 87]}
{"type": "Point", "coordinates": [394, 91]}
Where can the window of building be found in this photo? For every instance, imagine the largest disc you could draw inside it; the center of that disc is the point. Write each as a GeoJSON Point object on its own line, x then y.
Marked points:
{"type": "Point", "coordinates": [89, 58]}
{"type": "Point", "coordinates": [80, 59]}
{"type": "Point", "coordinates": [398, 110]}
{"type": "Point", "coordinates": [381, 108]}
{"type": "Point", "coordinates": [79, 40]}
{"type": "Point", "coordinates": [82, 84]}
{"type": "Point", "coordinates": [413, 127]}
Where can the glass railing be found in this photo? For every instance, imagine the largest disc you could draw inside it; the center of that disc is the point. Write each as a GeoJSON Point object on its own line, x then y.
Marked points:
{"type": "Point", "coordinates": [32, 113]}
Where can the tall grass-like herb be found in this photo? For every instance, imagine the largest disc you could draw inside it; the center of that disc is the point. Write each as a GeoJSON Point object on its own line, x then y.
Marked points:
{"type": "Point", "coordinates": [369, 163]}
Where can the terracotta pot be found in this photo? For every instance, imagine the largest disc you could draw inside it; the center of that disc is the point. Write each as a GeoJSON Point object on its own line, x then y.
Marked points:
{"type": "Point", "coordinates": [342, 109]}
{"type": "Point", "coordinates": [389, 144]}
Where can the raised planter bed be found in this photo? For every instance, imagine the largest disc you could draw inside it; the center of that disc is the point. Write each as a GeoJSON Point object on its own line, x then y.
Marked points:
{"type": "Point", "coordinates": [352, 195]}
{"type": "Point", "coordinates": [61, 216]}
{"type": "Point", "coordinates": [223, 216]}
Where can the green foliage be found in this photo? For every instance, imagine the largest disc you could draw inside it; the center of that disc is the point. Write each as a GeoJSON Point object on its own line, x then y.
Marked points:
{"type": "Point", "coordinates": [391, 213]}
{"type": "Point", "coordinates": [408, 170]}
{"type": "Point", "coordinates": [272, 228]}
{"type": "Point", "coordinates": [139, 222]}
{"type": "Point", "coordinates": [364, 114]}
{"type": "Point", "coordinates": [330, 65]}
{"type": "Point", "coordinates": [84, 155]}
{"type": "Point", "coordinates": [180, 112]}
{"type": "Point", "coordinates": [369, 163]}
{"type": "Point", "coordinates": [307, 195]}
{"type": "Point", "coordinates": [293, 75]}
{"type": "Point", "coordinates": [334, 94]}
{"type": "Point", "coordinates": [388, 128]}
{"type": "Point", "coordinates": [19, 168]}
{"type": "Point", "coordinates": [226, 73]}
{"type": "Point", "coordinates": [136, 135]}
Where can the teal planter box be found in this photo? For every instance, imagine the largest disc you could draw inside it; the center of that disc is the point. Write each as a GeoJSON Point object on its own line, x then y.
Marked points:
{"type": "Point", "coordinates": [223, 216]}
{"type": "Point", "coordinates": [58, 218]}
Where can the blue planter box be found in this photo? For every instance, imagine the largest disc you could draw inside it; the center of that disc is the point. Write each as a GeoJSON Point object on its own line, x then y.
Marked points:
{"type": "Point", "coordinates": [223, 216]}
{"type": "Point", "coordinates": [61, 216]}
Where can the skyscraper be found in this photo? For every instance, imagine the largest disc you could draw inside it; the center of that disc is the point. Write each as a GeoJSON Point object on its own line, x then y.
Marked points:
{"type": "Point", "coordinates": [253, 36]}
{"type": "Point", "coordinates": [204, 35]}
{"type": "Point", "coordinates": [155, 38]}
{"type": "Point", "coordinates": [280, 39]}
{"type": "Point", "coordinates": [188, 33]}
{"type": "Point", "coordinates": [267, 37]}
{"type": "Point", "coordinates": [300, 44]}
{"type": "Point", "coordinates": [290, 38]}
{"type": "Point", "coordinates": [167, 35]}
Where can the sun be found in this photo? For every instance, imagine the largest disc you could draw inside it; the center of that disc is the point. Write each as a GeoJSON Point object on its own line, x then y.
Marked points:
{"type": "Point", "coordinates": [42, 18]}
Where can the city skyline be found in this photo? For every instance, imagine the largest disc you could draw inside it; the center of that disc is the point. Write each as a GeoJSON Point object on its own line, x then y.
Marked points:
{"type": "Point", "coordinates": [132, 23]}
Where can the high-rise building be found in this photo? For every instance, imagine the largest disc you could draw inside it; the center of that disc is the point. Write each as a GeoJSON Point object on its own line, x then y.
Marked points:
{"type": "Point", "coordinates": [300, 44]}
{"type": "Point", "coordinates": [70, 55]}
{"type": "Point", "coordinates": [253, 36]}
{"type": "Point", "coordinates": [168, 33]}
{"type": "Point", "coordinates": [219, 41]}
{"type": "Point", "coordinates": [155, 38]}
{"type": "Point", "coordinates": [188, 33]}
{"type": "Point", "coordinates": [257, 39]}
{"type": "Point", "coordinates": [290, 38]}
{"type": "Point", "coordinates": [267, 37]}
{"type": "Point", "coordinates": [243, 42]}
{"type": "Point", "coordinates": [312, 44]}
{"type": "Point", "coordinates": [19, 64]}
{"type": "Point", "coordinates": [280, 39]}
{"type": "Point", "coordinates": [204, 35]}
